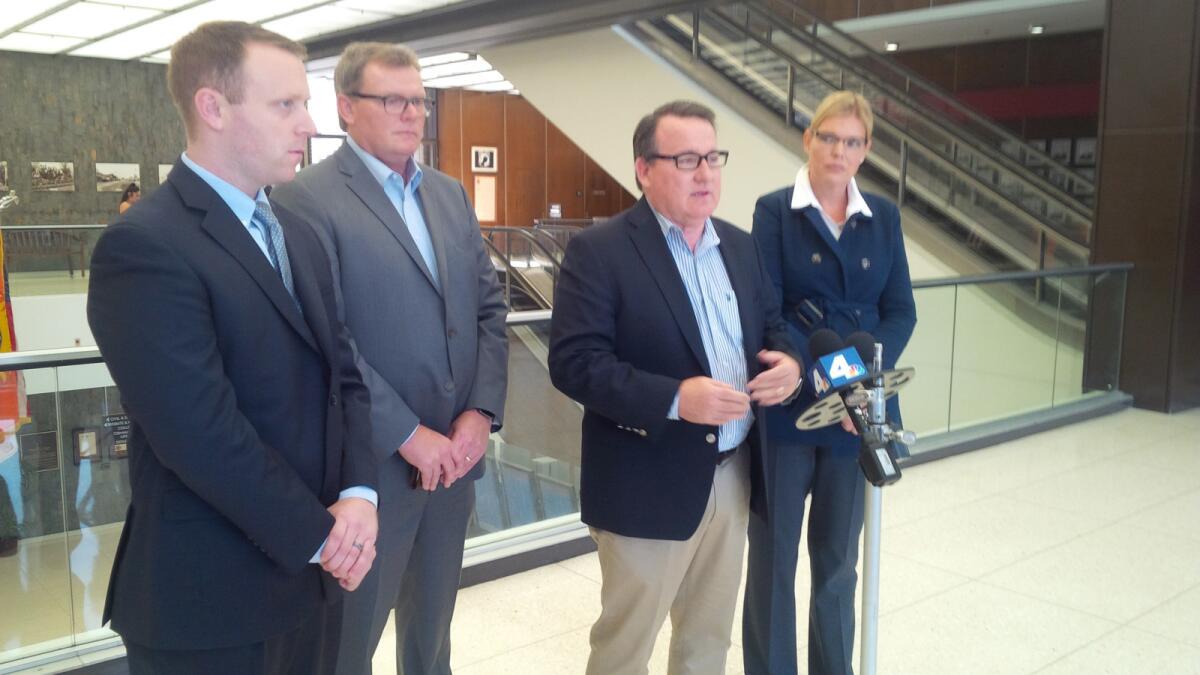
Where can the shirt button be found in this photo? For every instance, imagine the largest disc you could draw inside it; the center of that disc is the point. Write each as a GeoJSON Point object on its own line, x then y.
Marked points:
{"type": "Point", "coordinates": [449, 386]}
{"type": "Point", "coordinates": [710, 439]}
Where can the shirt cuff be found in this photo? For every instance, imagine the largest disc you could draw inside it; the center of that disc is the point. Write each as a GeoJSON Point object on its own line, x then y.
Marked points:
{"type": "Point", "coordinates": [360, 491]}
{"type": "Point", "coordinates": [673, 413]}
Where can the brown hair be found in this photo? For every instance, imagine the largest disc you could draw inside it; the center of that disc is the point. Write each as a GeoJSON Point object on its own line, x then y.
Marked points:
{"type": "Point", "coordinates": [347, 76]}
{"type": "Point", "coordinates": [212, 56]}
{"type": "Point", "coordinates": [643, 135]}
{"type": "Point", "coordinates": [841, 103]}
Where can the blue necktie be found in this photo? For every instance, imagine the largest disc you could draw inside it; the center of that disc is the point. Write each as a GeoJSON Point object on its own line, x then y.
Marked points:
{"type": "Point", "coordinates": [275, 246]}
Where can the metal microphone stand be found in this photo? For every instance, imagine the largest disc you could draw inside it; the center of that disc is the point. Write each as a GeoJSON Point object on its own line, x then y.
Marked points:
{"type": "Point", "coordinates": [878, 463]}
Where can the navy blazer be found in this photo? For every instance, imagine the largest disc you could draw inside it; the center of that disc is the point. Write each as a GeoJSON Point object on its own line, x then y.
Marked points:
{"type": "Point", "coordinates": [859, 281]}
{"type": "Point", "coordinates": [622, 338]}
{"type": "Point", "coordinates": [247, 418]}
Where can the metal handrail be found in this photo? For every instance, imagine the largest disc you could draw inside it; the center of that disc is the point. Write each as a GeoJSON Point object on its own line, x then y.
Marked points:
{"type": "Point", "coordinates": [943, 98]}
{"type": "Point", "coordinates": [80, 356]}
{"type": "Point", "coordinates": [527, 233]}
{"type": "Point", "coordinates": [976, 279]}
{"type": "Point", "coordinates": [1046, 189]}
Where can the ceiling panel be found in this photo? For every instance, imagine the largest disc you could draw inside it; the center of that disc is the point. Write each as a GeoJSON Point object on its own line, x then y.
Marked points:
{"type": "Point", "coordinates": [322, 20]}
{"type": "Point", "coordinates": [16, 13]}
{"type": "Point", "coordinates": [89, 20]}
{"type": "Point", "coordinates": [28, 42]}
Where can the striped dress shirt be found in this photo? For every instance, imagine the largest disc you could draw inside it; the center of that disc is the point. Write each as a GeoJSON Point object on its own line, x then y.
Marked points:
{"type": "Point", "coordinates": [715, 307]}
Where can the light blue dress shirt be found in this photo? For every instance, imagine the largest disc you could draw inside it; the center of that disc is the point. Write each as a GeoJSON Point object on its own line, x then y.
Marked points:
{"type": "Point", "coordinates": [715, 307]}
{"type": "Point", "coordinates": [243, 209]}
{"type": "Point", "coordinates": [406, 200]}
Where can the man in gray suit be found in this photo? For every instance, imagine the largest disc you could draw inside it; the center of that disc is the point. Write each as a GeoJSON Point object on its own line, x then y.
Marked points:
{"type": "Point", "coordinates": [420, 296]}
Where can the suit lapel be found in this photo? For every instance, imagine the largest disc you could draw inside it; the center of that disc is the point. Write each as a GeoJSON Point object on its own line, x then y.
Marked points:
{"type": "Point", "coordinates": [220, 224]}
{"type": "Point", "coordinates": [362, 183]}
{"type": "Point", "coordinates": [652, 248]}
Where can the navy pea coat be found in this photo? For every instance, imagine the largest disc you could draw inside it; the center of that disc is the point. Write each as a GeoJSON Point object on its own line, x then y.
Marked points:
{"type": "Point", "coordinates": [859, 281]}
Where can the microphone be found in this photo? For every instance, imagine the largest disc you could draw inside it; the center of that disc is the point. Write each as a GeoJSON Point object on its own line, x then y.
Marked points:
{"type": "Point", "coordinates": [836, 367]}
{"type": "Point", "coordinates": [877, 456]}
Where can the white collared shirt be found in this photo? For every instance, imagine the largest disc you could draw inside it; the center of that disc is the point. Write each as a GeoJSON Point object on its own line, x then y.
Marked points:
{"type": "Point", "coordinates": [802, 196]}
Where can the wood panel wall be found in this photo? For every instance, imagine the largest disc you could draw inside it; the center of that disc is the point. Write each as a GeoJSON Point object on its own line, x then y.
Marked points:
{"type": "Point", "coordinates": [537, 165]}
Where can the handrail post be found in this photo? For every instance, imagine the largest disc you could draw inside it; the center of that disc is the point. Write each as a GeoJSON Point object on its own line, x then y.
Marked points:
{"type": "Point", "coordinates": [1038, 289]}
{"type": "Point", "coordinates": [788, 117]}
{"type": "Point", "coordinates": [696, 33]}
{"type": "Point", "coordinates": [902, 179]}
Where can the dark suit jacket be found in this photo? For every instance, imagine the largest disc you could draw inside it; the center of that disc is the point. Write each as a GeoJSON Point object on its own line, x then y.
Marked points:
{"type": "Point", "coordinates": [247, 420]}
{"type": "Point", "coordinates": [622, 339]}
{"type": "Point", "coordinates": [860, 281]}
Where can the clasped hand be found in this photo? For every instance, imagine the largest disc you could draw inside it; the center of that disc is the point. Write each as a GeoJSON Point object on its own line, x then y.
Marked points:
{"type": "Point", "coordinates": [439, 458]}
{"type": "Point", "coordinates": [350, 548]}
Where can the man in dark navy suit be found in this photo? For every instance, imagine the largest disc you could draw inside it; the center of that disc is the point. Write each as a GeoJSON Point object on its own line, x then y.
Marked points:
{"type": "Point", "coordinates": [252, 476]}
{"type": "Point", "coordinates": [666, 328]}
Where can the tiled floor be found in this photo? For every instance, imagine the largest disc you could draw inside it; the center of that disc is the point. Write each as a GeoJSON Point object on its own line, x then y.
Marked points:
{"type": "Point", "coordinates": [1073, 551]}
{"type": "Point", "coordinates": [1076, 551]}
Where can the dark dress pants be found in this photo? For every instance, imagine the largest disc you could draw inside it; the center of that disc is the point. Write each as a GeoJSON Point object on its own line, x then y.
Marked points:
{"type": "Point", "coordinates": [309, 649]}
{"type": "Point", "coordinates": [835, 522]}
{"type": "Point", "coordinates": [416, 573]}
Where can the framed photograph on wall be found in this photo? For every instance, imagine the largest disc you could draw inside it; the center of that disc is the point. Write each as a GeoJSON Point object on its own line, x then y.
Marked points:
{"type": "Point", "coordinates": [112, 177]}
{"type": "Point", "coordinates": [1085, 151]}
{"type": "Point", "coordinates": [53, 176]}
{"type": "Point", "coordinates": [4, 178]}
{"type": "Point", "coordinates": [87, 445]}
{"type": "Point", "coordinates": [1060, 150]}
{"type": "Point", "coordinates": [164, 170]}
{"type": "Point", "coordinates": [483, 159]}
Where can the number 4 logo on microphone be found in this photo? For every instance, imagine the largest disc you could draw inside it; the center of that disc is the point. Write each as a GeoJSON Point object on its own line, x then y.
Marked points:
{"type": "Point", "coordinates": [841, 368]}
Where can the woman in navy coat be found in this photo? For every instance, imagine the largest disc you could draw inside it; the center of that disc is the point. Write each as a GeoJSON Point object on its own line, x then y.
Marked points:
{"type": "Point", "coordinates": [837, 258]}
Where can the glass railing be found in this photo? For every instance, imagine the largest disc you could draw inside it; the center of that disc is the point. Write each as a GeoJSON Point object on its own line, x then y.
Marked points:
{"type": "Point", "coordinates": [985, 349]}
{"type": "Point", "coordinates": [1028, 222]}
{"type": "Point", "coordinates": [48, 259]}
{"type": "Point", "coordinates": [64, 482]}
{"type": "Point", "coordinates": [994, 347]}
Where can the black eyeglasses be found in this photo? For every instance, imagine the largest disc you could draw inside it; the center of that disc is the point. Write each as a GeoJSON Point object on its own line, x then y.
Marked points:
{"type": "Point", "coordinates": [691, 160]}
{"type": "Point", "coordinates": [396, 105]}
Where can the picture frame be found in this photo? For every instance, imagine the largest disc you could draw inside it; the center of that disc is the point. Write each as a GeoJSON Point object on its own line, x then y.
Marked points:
{"type": "Point", "coordinates": [86, 445]}
{"type": "Point", "coordinates": [115, 177]}
{"type": "Point", "coordinates": [53, 176]}
{"type": "Point", "coordinates": [4, 177]}
{"type": "Point", "coordinates": [483, 159]}
{"type": "Point", "coordinates": [1060, 150]}
{"type": "Point", "coordinates": [39, 450]}
{"type": "Point", "coordinates": [1085, 151]}
{"type": "Point", "coordinates": [118, 450]}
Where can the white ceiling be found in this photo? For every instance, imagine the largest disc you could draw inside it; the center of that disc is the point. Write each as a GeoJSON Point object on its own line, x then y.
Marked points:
{"type": "Point", "coordinates": [146, 29]}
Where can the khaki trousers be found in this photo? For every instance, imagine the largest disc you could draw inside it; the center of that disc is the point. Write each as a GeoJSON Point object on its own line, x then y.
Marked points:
{"type": "Point", "coordinates": [696, 580]}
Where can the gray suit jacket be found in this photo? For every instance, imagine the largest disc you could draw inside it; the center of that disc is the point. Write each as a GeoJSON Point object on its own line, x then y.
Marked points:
{"type": "Point", "coordinates": [425, 354]}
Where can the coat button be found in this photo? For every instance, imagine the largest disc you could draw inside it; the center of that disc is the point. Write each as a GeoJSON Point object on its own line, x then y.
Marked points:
{"type": "Point", "coordinates": [449, 386]}
{"type": "Point", "coordinates": [333, 399]}
{"type": "Point", "coordinates": [642, 433]}
{"type": "Point", "coordinates": [711, 438]}
{"type": "Point", "coordinates": [452, 332]}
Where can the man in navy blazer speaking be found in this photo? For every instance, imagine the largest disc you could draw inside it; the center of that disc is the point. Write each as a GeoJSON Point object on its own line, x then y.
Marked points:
{"type": "Point", "coordinates": [252, 476]}
{"type": "Point", "coordinates": [667, 329]}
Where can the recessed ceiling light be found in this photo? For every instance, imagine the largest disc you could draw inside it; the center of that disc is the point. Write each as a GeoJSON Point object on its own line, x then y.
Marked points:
{"type": "Point", "coordinates": [1036, 29]}
{"type": "Point", "coordinates": [890, 46]}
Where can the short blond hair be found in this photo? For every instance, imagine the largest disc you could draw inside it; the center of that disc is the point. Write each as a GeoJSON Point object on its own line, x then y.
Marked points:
{"type": "Point", "coordinates": [348, 74]}
{"type": "Point", "coordinates": [842, 103]}
{"type": "Point", "coordinates": [212, 56]}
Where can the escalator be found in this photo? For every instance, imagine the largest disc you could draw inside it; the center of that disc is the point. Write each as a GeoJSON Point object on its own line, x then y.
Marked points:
{"type": "Point", "coordinates": [1010, 204]}
{"type": "Point", "coordinates": [527, 261]}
